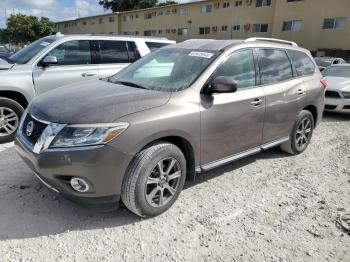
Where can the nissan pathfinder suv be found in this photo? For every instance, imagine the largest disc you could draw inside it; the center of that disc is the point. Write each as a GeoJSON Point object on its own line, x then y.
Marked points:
{"type": "Point", "coordinates": [181, 110]}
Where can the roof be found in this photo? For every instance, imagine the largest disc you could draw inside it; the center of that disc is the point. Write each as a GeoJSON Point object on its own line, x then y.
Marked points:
{"type": "Point", "coordinates": [206, 44]}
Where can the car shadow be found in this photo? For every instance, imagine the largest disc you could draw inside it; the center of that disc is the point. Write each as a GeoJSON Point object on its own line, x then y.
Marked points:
{"type": "Point", "coordinates": [29, 209]}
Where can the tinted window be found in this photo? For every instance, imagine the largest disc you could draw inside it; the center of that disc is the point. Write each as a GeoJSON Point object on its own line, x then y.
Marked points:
{"type": "Point", "coordinates": [274, 66]}
{"type": "Point", "coordinates": [240, 67]}
{"type": "Point", "coordinates": [114, 52]}
{"type": "Point", "coordinates": [133, 52]}
{"type": "Point", "coordinates": [72, 53]}
{"type": "Point", "coordinates": [153, 45]}
{"type": "Point", "coordinates": [303, 64]}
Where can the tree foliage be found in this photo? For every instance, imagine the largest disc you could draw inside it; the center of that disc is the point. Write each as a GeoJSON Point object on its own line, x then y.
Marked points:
{"type": "Point", "coordinates": [128, 5]}
{"type": "Point", "coordinates": [24, 29]}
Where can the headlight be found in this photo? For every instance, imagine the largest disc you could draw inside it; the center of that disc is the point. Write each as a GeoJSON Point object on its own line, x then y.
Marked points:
{"type": "Point", "coordinates": [87, 135]}
{"type": "Point", "coordinates": [346, 94]}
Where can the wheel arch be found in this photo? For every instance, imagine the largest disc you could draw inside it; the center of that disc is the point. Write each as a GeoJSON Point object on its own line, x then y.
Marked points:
{"type": "Point", "coordinates": [16, 96]}
{"type": "Point", "coordinates": [313, 110]}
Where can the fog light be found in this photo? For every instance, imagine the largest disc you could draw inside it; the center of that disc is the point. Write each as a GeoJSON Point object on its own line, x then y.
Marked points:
{"type": "Point", "coordinates": [79, 184]}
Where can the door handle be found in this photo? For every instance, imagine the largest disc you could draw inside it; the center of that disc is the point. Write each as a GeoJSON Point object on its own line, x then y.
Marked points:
{"type": "Point", "coordinates": [88, 74]}
{"type": "Point", "coordinates": [300, 92]}
{"type": "Point", "coordinates": [256, 102]}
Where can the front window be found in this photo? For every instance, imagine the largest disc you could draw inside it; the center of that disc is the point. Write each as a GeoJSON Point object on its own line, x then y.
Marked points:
{"type": "Point", "coordinates": [323, 62]}
{"type": "Point", "coordinates": [24, 55]}
{"type": "Point", "coordinates": [167, 69]}
{"type": "Point", "coordinates": [337, 71]}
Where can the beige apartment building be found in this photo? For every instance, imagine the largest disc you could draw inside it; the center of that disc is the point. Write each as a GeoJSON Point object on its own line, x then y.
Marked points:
{"type": "Point", "coordinates": [322, 26]}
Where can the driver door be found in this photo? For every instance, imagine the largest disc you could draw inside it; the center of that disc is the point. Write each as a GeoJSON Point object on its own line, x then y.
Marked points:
{"type": "Point", "coordinates": [232, 123]}
{"type": "Point", "coordinates": [75, 64]}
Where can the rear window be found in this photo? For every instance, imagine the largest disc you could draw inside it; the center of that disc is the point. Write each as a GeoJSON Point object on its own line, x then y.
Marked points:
{"type": "Point", "coordinates": [114, 52]}
{"type": "Point", "coordinates": [155, 45]}
{"type": "Point", "coordinates": [302, 62]}
{"type": "Point", "coordinates": [274, 66]}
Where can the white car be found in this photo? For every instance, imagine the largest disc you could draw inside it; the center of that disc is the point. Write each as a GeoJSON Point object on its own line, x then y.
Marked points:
{"type": "Point", "coordinates": [59, 60]}
{"type": "Point", "coordinates": [337, 96]}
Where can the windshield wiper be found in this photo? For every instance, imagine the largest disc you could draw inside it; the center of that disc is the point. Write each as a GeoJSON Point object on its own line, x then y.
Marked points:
{"type": "Point", "coordinates": [126, 83]}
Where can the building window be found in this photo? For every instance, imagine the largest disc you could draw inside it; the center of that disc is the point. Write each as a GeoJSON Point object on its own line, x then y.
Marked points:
{"type": "Point", "coordinates": [147, 33]}
{"type": "Point", "coordinates": [226, 5]}
{"type": "Point", "coordinates": [224, 28]}
{"type": "Point", "coordinates": [236, 28]}
{"type": "Point", "coordinates": [260, 28]}
{"type": "Point", "coordinates": [127, 18]}
{"type": "Point", "coordinates": [100, 21]}
{"type": "Point", "coordinates": [290, 1]}
{"type": "Point", "coordinates": [148, 16]}
{"type": "Point", "coordinates": [111, 19]}
{"type": "Point", "coordinates": [182, 31]}
{"type": "Point", "coordinates": [260, 3]}
{"type": "Point", "coordinates": [206, 8]}
{"type": "Point", "coordinates": [204, 30]}
{"type": "Point", "coordinates": [293, 26]}
{"type": "Point", "coordinates": [238, 2]}
{"type": "Point", "coordinates": [136, 32]}
{"type": "Point", "coordinates": [334, 23]}
{"type": "Point", "coordinates": [136, 16]}
{"type": "Point", "coordinates": [183, 11]}
{"type": "Point", "coordinates": [167, 31]}
{"type": "Point", "coordinates": [160, 31]}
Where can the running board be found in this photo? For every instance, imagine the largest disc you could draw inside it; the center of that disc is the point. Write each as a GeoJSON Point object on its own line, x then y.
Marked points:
{"type": "Point", "coordinates": [238, 156]}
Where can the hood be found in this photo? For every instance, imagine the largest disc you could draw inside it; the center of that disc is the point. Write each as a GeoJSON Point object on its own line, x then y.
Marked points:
{"type": "Point", "coordinates": [338, 83]}
{"type": "Point", "coordinates": [94, 101]}
{"type": "Point", "coordinates": [5, 65]}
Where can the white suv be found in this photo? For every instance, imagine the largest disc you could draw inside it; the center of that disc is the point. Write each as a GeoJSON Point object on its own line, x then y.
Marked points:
{"type": "Point", "coordinates": [59, 60]}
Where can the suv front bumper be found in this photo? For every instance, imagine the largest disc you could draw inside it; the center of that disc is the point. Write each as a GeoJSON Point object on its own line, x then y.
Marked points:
{"type": "Point", "coordinates": [103, 167]}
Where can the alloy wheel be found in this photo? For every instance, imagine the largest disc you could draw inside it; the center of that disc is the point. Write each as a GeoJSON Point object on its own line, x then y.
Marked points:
{"type": "Point", "coordinates": [303, 134]}
{"type": "Point", "coordinates": [163, 182]}
{"type": "Point", "coordinates": [8, 121]}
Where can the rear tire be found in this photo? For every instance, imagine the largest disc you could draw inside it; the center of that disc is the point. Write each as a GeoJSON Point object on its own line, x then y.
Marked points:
{"type": "Point", "coordinates": [301, 134]}
{"type": "Point", "coordinates": [10, 115]}
{"type": "Point", "coordinates": [154, 179]}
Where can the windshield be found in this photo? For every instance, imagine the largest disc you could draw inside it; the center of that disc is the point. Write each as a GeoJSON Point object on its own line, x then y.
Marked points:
{"type": "Point", "coordinates": [3, 49]}
{"type": "Point", "coordinates": [27, 53]}
{"type": "Point", "coordinates": [323, 62]}
{"type": "Point", "coordinates": [166, 69]}
{"type": "Point", "coordinates": [337, 71]}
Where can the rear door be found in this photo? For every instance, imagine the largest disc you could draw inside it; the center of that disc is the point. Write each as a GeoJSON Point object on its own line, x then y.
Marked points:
{"type": "Point", "coordinates": [116, 55]}
{"type": "Point", "coordinates": [232, 122]}
{"type": "Point", "coordinates": [284, 91]}
{"type": "Point", "coordinates": [75, 63]}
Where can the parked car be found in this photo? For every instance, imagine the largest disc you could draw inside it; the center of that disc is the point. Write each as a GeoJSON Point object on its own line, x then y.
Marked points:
{"type": "Point", "coordinates": [324, 62]}
{"type": "Point", "coordinates": [4, 52]}
{"type": "Point", "coordinates": [181, 110]}
{"type": "Point", "coordinates": [338, 89]}
{"type": "Point", "coordinates": [59, 60]}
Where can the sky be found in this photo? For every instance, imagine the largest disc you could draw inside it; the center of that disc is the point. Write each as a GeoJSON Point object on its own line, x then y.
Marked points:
{"type": "Point", "coordinates": [56, 10]}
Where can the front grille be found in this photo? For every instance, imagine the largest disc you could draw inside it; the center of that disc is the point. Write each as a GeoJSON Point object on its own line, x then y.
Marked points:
{"type": "Point", "coordinates": [38, 129]}
{"type": "Point", "coordinates": [332, 94]}
{"type": "Point", "coordinates": [346, 107]}
{"type": "Point", "coordinates": [330, 107]}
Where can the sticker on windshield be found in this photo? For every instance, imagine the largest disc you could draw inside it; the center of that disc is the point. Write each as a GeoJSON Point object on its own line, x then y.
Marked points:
{"type": "Point", "coordinates": [201, 54]}
{"type": "Point", "coordinates": [44, 43]}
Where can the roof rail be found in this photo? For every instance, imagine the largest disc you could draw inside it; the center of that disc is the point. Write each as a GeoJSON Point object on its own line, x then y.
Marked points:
{"type": "Point", "coordinates": [254, 39]}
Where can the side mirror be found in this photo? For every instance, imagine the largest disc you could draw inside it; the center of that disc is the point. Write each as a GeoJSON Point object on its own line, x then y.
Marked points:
{"type": "Point", "coordinates": [223, 84]}
{"type": "Point", "coordinates": [49, 60]}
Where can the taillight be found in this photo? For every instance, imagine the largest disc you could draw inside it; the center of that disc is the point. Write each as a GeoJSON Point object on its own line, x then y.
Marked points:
{"type": "Point", "coordinates": [324, 82]}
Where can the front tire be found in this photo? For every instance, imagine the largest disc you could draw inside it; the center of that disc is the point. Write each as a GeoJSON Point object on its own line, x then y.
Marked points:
{"type": "Point", "coordinates": [301, 134]}
{"type": "Point", "coordinates": [10, 114]}
{"type": "Point", "coordinates": [154, 179]}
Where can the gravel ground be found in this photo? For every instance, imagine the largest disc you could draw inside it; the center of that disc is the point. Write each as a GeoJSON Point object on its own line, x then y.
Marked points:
{"type": "Point", "coordinates": [268, 207]}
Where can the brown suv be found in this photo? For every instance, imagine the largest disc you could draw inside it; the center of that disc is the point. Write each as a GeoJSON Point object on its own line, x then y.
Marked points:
{"type": "Point", "coordinates": [181, 110]}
